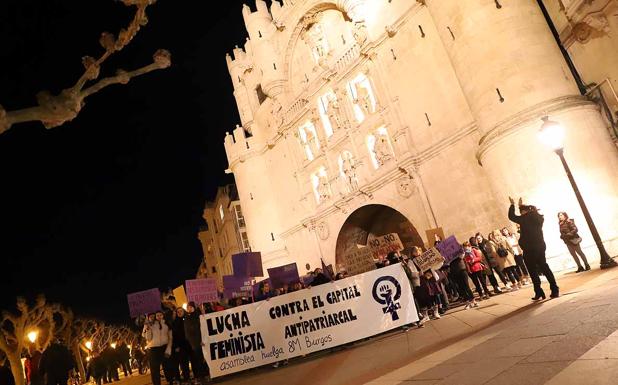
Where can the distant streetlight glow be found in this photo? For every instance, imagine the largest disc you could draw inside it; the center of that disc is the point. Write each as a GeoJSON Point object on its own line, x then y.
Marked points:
{"type": "Point", "coordinates": [184, 306]}
{"type": "Point", "coordinates": [88, 345]}
{"type": "Point", "coordinates": [32, 336]}
{"type": "Point", "coordinates": [551, 134]}
{"type": "Point", "coordinates": [113, 345]}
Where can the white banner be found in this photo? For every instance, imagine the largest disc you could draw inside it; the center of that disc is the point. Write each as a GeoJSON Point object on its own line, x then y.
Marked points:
{"type": "Point", "coordinates": [430, 259]}
{"type": "Point", "coordinates": [307, 321]}
{"type": "Point", "coordinates": [384, 244]}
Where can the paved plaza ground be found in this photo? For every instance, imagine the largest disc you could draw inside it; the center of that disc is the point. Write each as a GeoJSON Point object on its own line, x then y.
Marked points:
{"type": "Point", "coordinates": [507, 340]}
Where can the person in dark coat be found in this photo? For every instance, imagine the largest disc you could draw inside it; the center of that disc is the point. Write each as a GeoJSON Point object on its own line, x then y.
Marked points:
{"type": "Point", "coordinates": [193, 335]}
{"type": "Point", "coordinates": [492, 264]}
{"type": "Point", "coordinates": [56, 362]}
{"type": "Point", "coordinates": [123, 355]}
{"type": "Point", "coordinates": [320, 278]}
{"type": "Point", "coordinates": [6, 376]}
{"type": "Point", "coordinates": [96, 369]}
{"type": "Point", "coordinates": [180, 346]}
{"type": "Point", "coordinates": [570, 235]}
{"type": "Point", "coordinates": [533, 245]}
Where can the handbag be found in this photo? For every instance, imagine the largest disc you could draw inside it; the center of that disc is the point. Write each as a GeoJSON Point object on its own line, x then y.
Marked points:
{"type": "Point", "coordinates": [576, 241]}
{"type": "Point", "coordinates": [502, 252]}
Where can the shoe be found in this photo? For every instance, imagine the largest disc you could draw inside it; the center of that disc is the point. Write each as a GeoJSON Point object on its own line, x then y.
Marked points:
{"type": "Point", "coordinates": [468, 306]}
{"type": "Point", "coordinates": [497, 291]}
{"type": "Point", "coordinates": [515, 287]}
{"type": "Point", "coordinates": [276, 365]}
{"type": "Point", "coordinates": [538, 297]}
{"type": "Point", "coordinates": [579, 269]}
{"type": "Point", "coordinates": [475, 304]}
{"type": "Point", "coordinates": [587, 267]}
{"type": "Point", "coordinates": [555, 294]}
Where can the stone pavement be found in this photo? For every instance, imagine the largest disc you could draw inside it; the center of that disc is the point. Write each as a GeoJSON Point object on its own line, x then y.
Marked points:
{"type": "Point", "coordinates": [507, 340]}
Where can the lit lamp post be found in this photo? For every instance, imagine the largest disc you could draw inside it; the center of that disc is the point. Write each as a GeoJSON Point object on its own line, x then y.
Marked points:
{"type": "Point", "coordinates": [88, 345]}
{"type": "Point", "coordinates": [552, 134]}
{"type": "Point", "coordinates": [32, 336]}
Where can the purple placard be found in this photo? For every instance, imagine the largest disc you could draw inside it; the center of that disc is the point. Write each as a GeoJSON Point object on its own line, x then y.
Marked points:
{"type": "Point", "coordinates": [449, 248]}
{"type": "Point", "coordinates": [234, 287]}
{"type": "Point", "coordinates": [281, 275]}
{"type": "Point", "coordinates": [144, 302]}
{"type": "Point", "coordinates": [247, 264]}
{"type": "Point", "coordinates": [202, 290]}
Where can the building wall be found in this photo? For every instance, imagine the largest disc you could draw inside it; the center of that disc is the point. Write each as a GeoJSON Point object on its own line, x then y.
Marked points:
{"type": "Point", "coordinates": [223, 235]}
{"type": "Point", "coordinates": [453, 148]}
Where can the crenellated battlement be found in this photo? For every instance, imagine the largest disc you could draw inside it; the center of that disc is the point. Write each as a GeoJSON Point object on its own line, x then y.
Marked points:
{"type": "Point", "coordinates": [237, 143]}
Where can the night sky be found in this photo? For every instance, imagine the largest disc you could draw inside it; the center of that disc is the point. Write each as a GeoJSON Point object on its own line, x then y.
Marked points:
{"type": "Point", "coordinates": [111, 202]}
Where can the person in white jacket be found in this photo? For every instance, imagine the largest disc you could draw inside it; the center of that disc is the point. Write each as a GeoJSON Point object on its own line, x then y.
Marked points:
{"type": "Point", "coordinates": [158, 337]}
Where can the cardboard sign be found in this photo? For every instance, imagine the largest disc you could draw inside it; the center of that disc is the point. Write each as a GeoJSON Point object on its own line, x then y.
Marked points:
{"type": "Point", "coordinates": [144, 302]}
{"type": "Point", "coordinates": [307, 321]}
{"type": "Point", "coordinates": [449, 248]}
{"type": "Point", "coordinates": [384, 244]}
{"type": "Point", "coordinates": [247, 264]}
{"type": "Point", "coordinates": [431, 259]}
{"type": "Point", "coordinates": [431, 235]}
{"type": "Point", "coordinates": [358, 261]}
{"type": "Point", "coordinates": [202, 290]}
{"type": "Point", "coordinates": [180, 295]}
{"type": "Point", "coordinates": [235, 287]}
{"type": "Point", "coordinates": [282, 275]}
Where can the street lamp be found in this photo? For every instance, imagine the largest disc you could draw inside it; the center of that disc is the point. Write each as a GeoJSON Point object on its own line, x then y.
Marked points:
{"type": "Point", "coordinates": [113, 345]}
{"type": "Point", "coordinates": [552, 135]}
{"type": "Point", "coordinates": [32, 336]}
{"type": "Point", "coordinates": [88, 345]}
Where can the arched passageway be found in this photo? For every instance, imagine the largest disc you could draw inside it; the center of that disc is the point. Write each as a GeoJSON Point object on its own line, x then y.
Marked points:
{"type": "Point", "coordinates": [371, 221]}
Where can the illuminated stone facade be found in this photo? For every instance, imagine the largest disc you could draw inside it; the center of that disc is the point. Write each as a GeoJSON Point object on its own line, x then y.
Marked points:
{"type": "Point", "coordinates": [430, 108]}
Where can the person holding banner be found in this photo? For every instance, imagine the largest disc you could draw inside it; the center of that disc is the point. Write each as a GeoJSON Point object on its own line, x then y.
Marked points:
{"type": "Point", "coordinates": [158, 337]}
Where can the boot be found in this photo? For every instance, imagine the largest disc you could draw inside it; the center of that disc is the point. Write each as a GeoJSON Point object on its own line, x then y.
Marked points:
{"type": "Point", "coordinates": [579, 269]}
{"type": "Point", "coordinates": [587, 267]}
{"type": "Point", "coordinates": [555, 293]}
{"type": "Point", "coordinates": [539, 295]}
{"type": "Point", "coordinates": [436, 312]}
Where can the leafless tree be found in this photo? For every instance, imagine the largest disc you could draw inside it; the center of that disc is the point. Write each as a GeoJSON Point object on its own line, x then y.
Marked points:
{"type": "Point", "coordinates": [45, 319]}
{"type": "Point", "coordinates": [55, 110]}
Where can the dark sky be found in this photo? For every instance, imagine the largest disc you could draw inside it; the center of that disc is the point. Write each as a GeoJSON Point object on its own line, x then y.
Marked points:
{"type": "Point", "coordinates": [111, 202]}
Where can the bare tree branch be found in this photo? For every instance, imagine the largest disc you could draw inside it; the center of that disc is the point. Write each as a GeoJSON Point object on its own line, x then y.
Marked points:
{"type": "Point", "coordinates": [55, 110]}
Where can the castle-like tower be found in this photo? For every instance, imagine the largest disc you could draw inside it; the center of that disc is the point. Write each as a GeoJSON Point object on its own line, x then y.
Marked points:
{"type": "Point", "coordinates": [366, 117]}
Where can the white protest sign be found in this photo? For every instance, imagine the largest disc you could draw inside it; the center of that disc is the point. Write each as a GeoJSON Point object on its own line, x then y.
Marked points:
{"type": "Point", "coordinates": [358, 261]}
{"type": "Point", "coordinates": [307, 320]}
{"type": "Point", "coordinates": [431, 259]}
{"type": "Point", "coordinates": [384, 244]}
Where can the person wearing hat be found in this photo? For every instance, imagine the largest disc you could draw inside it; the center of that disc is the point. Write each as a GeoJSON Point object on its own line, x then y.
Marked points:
{"type": "Point", "coordinates": [533, 245]}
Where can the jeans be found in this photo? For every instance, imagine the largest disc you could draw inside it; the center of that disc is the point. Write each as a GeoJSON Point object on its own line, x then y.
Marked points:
{"type": "Point", "coordinates": [535, 260]}
{"type": "Point", "coordinates": [461, 281]}
{"type": "Point", "coordinates": [521, 266]}
{"type": "Point", "coordinates": [512, 274]}
{"type": "Point", "coordinates": [479, 282]}
{"type": "Point", "coordinates": [156, 358]}
{"type": "Point", "coordinates": [575, 250]}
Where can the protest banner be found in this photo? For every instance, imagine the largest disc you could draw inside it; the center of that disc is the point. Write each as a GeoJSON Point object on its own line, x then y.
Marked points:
{"type": "Point", "coordinates": [144, 302]}
{"type": "Point", "coordinates": [283, 275]}
{"type": "Point", "coordinates": [431, 259]}
{"type": "Point", "coordinates": [235, 287]}
{"type": "Point", "coordinates": [450, 249]}
{"type": "Point", "coordinates": [180, 295]}
{"type": "Point", "coordinates": [247, 264]}
{"type": "Point", "coordinates": [307, 321]}
{"type": "Point", "coordinates": [433, 234]}
{"type": "Point", "coordinates": [202, 290]}
{"type": "Point", "coordinates": [384, 244]}
{"type": "Point", "coordinates": [358, 261]}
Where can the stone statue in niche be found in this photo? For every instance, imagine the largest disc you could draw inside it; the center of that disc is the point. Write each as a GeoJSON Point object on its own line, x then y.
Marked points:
{"type": "Point", "coordinates": [363, 99]}
{"type": "Point", "coordinates": [348, 166]}
{"type": "Point", "coordinates": [382, 149]}
{"type": "Point", "coordinates": [333, 111]}
{"type": "Point", "coordinates": [312, 141]}
{"type": "Point", "coordinates": [323, 188]}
